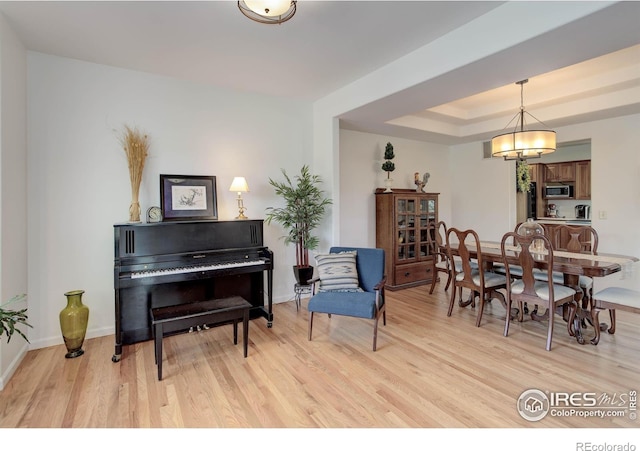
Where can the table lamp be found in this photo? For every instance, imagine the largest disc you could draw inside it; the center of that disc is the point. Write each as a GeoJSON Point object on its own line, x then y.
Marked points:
{"type": "Point", "coordinates": [240, 186]}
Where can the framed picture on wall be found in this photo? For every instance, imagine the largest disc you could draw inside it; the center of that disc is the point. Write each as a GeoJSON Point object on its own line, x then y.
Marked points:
{"type": "Point", "coordinates": [188, 197]}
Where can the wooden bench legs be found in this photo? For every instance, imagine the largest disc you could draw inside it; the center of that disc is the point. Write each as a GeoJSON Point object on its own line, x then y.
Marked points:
{"type": "Point", "coordinates": [612, 298]}
{"type": "Point", "coordinates": [166, 320]}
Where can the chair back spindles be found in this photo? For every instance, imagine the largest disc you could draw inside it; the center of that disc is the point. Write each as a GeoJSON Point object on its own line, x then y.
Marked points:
{"type": "Point", "coordinates": [458, 248]}
{"type": "Point", "coordinates": [436, 236]}
{"type": "Point", "coordinates": [526, 260]}
{"type": "Point", "coordinates": [581, 238]}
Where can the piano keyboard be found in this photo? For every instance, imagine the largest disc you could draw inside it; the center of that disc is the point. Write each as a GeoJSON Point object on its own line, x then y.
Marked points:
{"type": "Point", "coordinates": [199, 268]}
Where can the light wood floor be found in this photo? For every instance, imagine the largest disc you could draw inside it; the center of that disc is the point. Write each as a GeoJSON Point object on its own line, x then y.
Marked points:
{"type": "Point", "coordinates": [429, 371]}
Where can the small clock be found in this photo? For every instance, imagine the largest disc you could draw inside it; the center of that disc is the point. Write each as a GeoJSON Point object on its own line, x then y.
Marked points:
{"type": "Point", "coordinates": [154, 214]}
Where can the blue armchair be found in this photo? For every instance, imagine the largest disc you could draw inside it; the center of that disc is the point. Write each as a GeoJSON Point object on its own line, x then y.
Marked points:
{"type": "Point", "coordinates": [361, 299]}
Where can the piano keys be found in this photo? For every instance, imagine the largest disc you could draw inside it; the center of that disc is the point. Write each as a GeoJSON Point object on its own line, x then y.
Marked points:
{"type": "Point", "coordinates": [171, 263]}
{"type": "Point", "coordinates": [197, 268]}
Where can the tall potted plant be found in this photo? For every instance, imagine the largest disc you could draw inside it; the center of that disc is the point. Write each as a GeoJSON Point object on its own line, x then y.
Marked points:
{"type": "Point", "coordinates": [305, 205]}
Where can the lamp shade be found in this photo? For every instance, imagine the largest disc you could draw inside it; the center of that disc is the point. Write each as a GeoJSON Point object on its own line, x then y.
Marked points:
{"type": "Point", "coordinates": [239, 185]}
{"type": "Point", "coordinates": [269, 8]}
{"type": "Point", "coordinates": [523, 144]}
{"type": "Point", "coordinates": [268, 11]}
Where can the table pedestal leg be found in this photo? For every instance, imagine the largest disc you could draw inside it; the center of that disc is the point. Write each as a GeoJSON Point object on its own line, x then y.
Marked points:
{"type": "Point", "coordinates": [571, 280]}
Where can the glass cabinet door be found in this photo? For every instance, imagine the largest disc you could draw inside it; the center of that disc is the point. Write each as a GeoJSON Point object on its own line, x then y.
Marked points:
{"type": "Point", "coordinates": [431, 209]}
{"type": "Point", "coordinates": [424, 243]}
{"type": "Point", "coordinates": [407, 219]}
{"type": "Point", "coordinates": [427, 215]}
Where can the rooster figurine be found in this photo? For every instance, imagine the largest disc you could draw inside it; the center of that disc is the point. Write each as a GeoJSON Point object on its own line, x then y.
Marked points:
{"type": "Point", "coordinates": [420, 184]}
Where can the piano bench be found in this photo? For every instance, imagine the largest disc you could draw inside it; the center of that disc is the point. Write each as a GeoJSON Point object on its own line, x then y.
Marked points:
{"type": "Point", "coordinates": [612, 298]}
{"type": "Point", "coordinates": [165, 320]}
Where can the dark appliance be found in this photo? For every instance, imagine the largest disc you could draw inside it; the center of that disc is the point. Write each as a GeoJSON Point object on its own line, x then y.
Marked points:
{"type": "Point", "coordinates": [558, 191]}
{"type": "Point", "coordinates": [583, 212]}
{"type": "Point", "coordinates": [531, 201]}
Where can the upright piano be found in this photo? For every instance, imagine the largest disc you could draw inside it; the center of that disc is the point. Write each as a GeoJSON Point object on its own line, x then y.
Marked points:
{"type": "Point", "coordinates": [170, 263]}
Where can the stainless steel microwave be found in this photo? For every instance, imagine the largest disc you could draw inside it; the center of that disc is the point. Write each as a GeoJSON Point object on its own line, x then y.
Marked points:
{"type": "Point", "coordinates": [558, 191]}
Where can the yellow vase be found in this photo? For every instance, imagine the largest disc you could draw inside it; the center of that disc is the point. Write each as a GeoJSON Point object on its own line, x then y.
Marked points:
{"type": "Point", "coordinates": [73, 323]}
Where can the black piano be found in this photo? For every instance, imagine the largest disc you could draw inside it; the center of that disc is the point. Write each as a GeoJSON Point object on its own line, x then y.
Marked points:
{"type": "Point", "coordinates": [170, 263]}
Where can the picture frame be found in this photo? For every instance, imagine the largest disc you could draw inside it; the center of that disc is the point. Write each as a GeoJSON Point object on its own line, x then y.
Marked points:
{"type": "Point", "coordinates": [188, 197]}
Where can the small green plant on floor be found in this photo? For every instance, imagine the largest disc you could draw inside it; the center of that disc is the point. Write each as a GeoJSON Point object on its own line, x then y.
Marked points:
{"type": "Point", "coordinates": [10, 319]}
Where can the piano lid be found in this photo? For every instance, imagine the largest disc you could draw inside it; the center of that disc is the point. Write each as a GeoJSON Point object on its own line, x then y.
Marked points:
{"type": "Point", "coordinates": [140, 240]}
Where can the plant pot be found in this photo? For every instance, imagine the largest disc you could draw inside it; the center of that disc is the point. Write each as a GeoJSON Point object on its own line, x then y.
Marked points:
{"type": "Point", "coordinates": [303, 274]}
{"type": "Point", "coordinates": [73, 323]}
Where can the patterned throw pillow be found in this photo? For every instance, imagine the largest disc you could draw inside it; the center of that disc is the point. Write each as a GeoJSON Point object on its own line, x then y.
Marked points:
{"type": "Point", "coordinates": [338, 271]}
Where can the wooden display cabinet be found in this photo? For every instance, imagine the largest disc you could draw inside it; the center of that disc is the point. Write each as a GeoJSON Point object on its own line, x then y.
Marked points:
{"type": "Point", "coordinates": [402, 220]}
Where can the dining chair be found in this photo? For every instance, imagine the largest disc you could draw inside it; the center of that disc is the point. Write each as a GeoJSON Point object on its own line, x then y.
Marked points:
{"type": "Point", "coordinates": [575, 238]}
{"type": "Point", "coordinates": [480, 282]}
{"type": "Point", "coordinates": [436, 233]}
{"type": "Point", "coordinates": [529, 289]}
{"type": "Point", "coordinates": [516, 271]}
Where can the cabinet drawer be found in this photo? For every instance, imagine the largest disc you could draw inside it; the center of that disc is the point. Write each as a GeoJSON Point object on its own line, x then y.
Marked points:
{"type": "Point", "coordinates": [414, 272]}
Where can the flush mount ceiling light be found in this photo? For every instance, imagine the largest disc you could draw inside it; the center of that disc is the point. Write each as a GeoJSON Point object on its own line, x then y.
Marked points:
{"type": "Point", "coordinates": [523, 144]}
{"type": "Point", "coordinates": [268, 11]}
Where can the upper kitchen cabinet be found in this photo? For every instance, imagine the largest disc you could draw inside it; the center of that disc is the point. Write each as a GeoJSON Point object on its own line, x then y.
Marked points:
{"type": "Point", "coordinates": [576, 173]}
{"type": "Point", "coordinates": [583, 180]}
{"type": "Point", "coordinates": [560, 172]}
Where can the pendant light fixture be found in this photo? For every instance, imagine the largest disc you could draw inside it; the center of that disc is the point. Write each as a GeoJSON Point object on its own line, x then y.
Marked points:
{"type": "Point", "coordinates": [522, 144]}
{"type": "Point", "coordinates": [268, 11]}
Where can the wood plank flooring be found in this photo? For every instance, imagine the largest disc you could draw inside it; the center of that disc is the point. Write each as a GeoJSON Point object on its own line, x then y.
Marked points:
{"type": "Point", "coordinates": [430, 371]}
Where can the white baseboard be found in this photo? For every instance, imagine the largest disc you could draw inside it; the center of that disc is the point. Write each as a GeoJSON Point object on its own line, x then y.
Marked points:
{"type": "Point", "coordinates": [4, 378]}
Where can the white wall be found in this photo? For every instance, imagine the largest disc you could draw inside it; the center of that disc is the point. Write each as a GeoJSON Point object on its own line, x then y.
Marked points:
{"type": "Point", "coordinates": [79, 181]}
{"type": "Point", "coordinates": [361, 157]}
{"type": "Point", "coordinates": [13, 186]}
{"type": "Point", "coordinates": [483, 197]}
{"type": "Point", "coordinates": [483, 192]}
{"type": "Point", "coordinates": [615, 190]}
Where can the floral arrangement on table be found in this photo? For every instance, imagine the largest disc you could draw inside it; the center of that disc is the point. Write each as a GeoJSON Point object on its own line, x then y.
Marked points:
{"type": "Point", "coordinates": [10, 319]}
{"type": "Point", "coordinates": [136, 148]}
{"type": "Point", "coordinates": [523, 176]}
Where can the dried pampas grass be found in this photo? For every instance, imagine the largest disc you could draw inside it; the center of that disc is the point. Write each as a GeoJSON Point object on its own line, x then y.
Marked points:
{"type": "Point", "coordinates": [136, 148]}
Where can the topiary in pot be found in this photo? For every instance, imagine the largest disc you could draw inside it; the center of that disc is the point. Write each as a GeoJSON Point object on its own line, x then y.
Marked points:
{"type": "Point", "coordinates": [388, 165]}
{"type": "Point", "coordinates": [305, 206]}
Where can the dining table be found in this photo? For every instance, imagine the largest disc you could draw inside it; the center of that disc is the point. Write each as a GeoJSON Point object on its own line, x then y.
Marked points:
{"type": "Point", "coordinates": [571, 264]}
